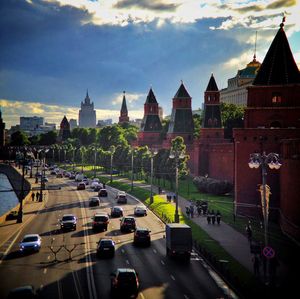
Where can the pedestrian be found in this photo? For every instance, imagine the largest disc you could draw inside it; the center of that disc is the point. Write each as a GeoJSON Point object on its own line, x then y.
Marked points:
{"type": "Point", "coordinates": [249, 232]}
{"type": "Point", "coordinates": [192, 211]}
{"type": "Point", "coordinates": [32, 196]}
{"type": "Point", "coordinates": [218, 217]}
{"type": "Point", "coordinates": [103, 185]}
{"type": "Point", "coordinates": [208, 217]}
{"type": "Point", "coordinates": [213, 217]}
{"type": "Point", "coordinates": [159, 190]}
{"type": "Point", "coordinates": [174, 197]}
{"type": "Point", "coordinates": [187, 211]}
{"type": "Point", "coordinates": [256, 265]}
{"type": "Point", "coordinates": [205, 207]}
{"type": "Point", "coordinates": [199, 210]}
{"type": "Point", "coordinates": [37, 196]}
{"type": "Point", "coordinates": [168, 197]}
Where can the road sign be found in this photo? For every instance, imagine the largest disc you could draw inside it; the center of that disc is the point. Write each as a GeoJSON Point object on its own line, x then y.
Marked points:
{"type": "Point", "coordinates": [268, 252]}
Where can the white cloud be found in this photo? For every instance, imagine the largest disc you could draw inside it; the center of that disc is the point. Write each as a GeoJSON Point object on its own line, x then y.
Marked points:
{"type": "Point", "coordinates": [130, 98]}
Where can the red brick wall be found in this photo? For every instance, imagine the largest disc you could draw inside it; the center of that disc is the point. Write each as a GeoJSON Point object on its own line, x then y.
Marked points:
{"type": "Point", "coordinates": [290, 188]}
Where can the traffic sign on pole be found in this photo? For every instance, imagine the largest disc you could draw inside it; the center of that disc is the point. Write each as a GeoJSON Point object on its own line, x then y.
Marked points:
{"type": "Point", "coordinates": [268, 252]}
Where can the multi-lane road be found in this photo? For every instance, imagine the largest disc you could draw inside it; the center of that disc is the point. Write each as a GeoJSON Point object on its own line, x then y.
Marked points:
{"type": "Point", "coordinates": [85, 275]}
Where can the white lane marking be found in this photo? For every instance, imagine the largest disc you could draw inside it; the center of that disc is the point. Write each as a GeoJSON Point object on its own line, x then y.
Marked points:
{"type": "Point", "coordinates": [185, 296]}
{"type": "Point", "coordinates": [76, 282]}
{"type": "Point", "coordinates": [59, 290]}
{"type": "Point", "coordinates": [88, 259]}
{"type": "Point", "coordinates": [127, 262]}
{"type": "Point", "coordinates": [154, 250]}
{"type": "Point", "coordinates": [45, 270]}
{"type": "Point", "coordinates": [10, 246]}
{"type": "Point", "coordinates": [172, 277]}
{"type": "Point", "coordinates": [142, 296]}
{"type": "Point", "coordinates": [162, 262]}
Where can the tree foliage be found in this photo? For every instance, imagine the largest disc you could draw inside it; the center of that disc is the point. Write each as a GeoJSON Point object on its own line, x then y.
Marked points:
{"type": "Point", "coordinates": [19, 138]}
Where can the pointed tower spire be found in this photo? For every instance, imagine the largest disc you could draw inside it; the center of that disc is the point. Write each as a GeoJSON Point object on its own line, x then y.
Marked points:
{"type": "Point", "coordinates": [279, 66]}
{"type": "Point", "coordinates": [124, 112]}
{"type": "Point", "coordinates": [212, 85]}
{"type": "Point", "coordinates": [254, 55]}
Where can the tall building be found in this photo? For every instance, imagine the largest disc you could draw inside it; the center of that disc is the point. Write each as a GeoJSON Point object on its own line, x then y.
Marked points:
{"type": "Point", "coordinates": [123, 118]}
{"type": "Point", "coordinates": [2, 130]}
{"type": "Point", "coordinates": [87, 114]}
{"type": "Point", "coordinates": [104, 122]}
{"type": "Point", "coordinates": [236, 91]}
{"type": "Point", "coordinates": [64, 132]}
{"type": "Point", "coordinates": [73, 123]}
{"type": "Point", "coordinates": [30, 123]}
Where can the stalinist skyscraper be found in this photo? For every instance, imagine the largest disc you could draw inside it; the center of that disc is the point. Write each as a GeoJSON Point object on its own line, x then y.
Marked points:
{"type": "Point", "coordinates": [87, 114]}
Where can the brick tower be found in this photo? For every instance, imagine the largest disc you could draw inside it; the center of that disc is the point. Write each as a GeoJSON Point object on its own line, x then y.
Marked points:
{"type": "Point", "coordinates": [151, 127]}
{"type": "Point", "coordinates": [64, 132]}
{"type": "Point", "coordinates": [181, 122]}
{"type": "Point", "coordinates": [123, 118]}
{"type": "Point", "coordinates": [272, 124]}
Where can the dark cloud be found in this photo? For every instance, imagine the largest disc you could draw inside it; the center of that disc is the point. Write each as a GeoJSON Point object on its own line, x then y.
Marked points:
{"type": "Point", "coordinates": [281, 4]}
{"type": "Point", "coordinates": [155, 5]}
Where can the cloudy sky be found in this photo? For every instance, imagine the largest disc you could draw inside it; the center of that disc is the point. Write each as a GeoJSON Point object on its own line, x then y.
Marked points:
{"type": "Point", "coordinates": [52, 51]}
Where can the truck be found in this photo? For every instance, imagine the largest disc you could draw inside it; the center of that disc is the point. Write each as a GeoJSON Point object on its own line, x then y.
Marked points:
{"type": "Point", "coordinates": [178, 240]}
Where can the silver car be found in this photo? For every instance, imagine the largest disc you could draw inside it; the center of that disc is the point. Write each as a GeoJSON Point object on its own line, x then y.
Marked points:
{"type": "Point", "coordinates": [31, 242]}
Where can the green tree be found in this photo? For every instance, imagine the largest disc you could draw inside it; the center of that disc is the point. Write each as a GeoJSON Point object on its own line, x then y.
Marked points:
{"type": "Point", "coordinates": [111, 135]}
{"type": "Point", "coordinates": [19, 138]}
{"type": "Point", "coordinates": [48, 138]}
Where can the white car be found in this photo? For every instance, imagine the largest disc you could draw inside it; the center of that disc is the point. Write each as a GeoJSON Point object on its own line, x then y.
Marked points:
{"type": "Point", "coordinates": [140, 211]}
{"type": "Point", "coordinates": [95, 184]}
{"type": "Point", "coordinates": [96, 180]}
{"type": "Point", "coordinates": [31, 242]}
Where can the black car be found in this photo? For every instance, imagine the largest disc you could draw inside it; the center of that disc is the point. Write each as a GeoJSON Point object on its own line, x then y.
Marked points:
{"type": "Point", "coordinates": [124, 282]}
{"type": "Point", "coordinates": [68, 222]}
{"type": "Point", "coordinates": [94, 201]}
{"type": "Point", "coordinates": [106, 248]}
{"type": "Point", "coordinates": [116, 211]}
{"type": "Point", "coordinates": [102, 193]}
{"type": "Point", "coordinates": [127, 224]}
{"type": "Point", "coordinates": [142, 236]}
{"type": "Point", "coordinates": [100, 221]}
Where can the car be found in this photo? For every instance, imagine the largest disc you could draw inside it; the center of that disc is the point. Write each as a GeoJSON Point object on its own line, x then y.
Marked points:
{"type": "Point", "coordinates": [12, 215]}
{"type": "Point", "coordinates": [116, 211]}
{"type": "Point", "coordinates": [79, 177]}
{"type": "Point", "coordinates": [96, 180]}
{"type": "Point", "coordinates": [68, 222]}
{"type": "Point", "coordinates": [72, 176]}
{"type": "Point", "coordinates": [102, 193]}
{"type": "Point", "coordinates": [127, 224]}
{"type": "Point", "coordinates": [59, 175]}
{"type": "Point", "coordinates": [81, 186]}
{"type": "Point", "coordinates": [100, 221]}
{"type": "Point", "coordinates": [67, 174]}
{"type": "Point", "coordinates": [53, 172]}
{"type": "Point", "coordinates": [85, 180]}
{"type": "Point", "coordinates": [124, 282]}
{"type": "Point", "coordinates": [121, 197]}
{"type": "Point", "coordinates": [45, 179]}
{"type": "Point", "coordinates": [142, 236]}
{"type": "Point", "coordinates": [97, 187]}
{"type": "Point", "coordinates": [106, 247]}
{"type": "Point", "coordinates": [140, 210]}
{"type": "Point", "coordinates": [94, 201]}
{"type": "Point", "coordinates": [30, 242]}
{"type": "Point", "coordinates": [24, 292]}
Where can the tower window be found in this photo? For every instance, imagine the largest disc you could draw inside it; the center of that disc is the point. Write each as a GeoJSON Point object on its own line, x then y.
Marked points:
{"type": "Point", "coordinates": [276, 98]}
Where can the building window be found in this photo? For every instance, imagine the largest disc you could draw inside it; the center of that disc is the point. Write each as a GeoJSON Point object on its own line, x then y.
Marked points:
{"type": "Point", "coordinates": [276, 98]}
{"type": "Point", "coordinates": [208, 98]}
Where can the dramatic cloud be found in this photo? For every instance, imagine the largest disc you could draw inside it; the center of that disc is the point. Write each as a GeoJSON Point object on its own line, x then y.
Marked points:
{"type": "Point", "coordinates": [155, 5]}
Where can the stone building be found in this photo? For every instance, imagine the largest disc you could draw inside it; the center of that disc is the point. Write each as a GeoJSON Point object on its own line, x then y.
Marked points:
{"type": "Point", "coordinates": [87, 114]}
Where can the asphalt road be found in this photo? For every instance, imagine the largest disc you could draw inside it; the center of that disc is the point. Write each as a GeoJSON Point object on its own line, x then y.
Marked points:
{"type": "Point", "coordinates": [85, 275]}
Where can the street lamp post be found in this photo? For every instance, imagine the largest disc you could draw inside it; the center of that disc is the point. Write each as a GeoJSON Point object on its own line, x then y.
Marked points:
{"type": "Point", "coordinates": [132, 156]}
{"type": "Point", "coordinates": [95, 160]}
{"type": "Point", "coordinates": [264, 160]}
{"type": "Point", "coordinates": [112, 151]}
{"type": "Point", "coordinates": [153, 153]}
{"type": "Point", "coordinates": [175, 154]}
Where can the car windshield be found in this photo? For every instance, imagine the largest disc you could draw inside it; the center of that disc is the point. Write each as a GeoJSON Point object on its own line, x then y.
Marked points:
{"type": "Point", "coordinates": [30, 239]}
{"type": "Point", "coordinates": [66, 218]}
{"type": "Point", "coordinates": [129, 220]}
{"type": "Point", "coordinates": [116, 209]}
{"type": "Point", "coordinates": [127, 276]}
{"type": "Point", "coordinates": [143, 232]}
{"type": "Point", "coordinates": [106, 243]}
{"type": "Point", "coordinates": [100, 218]}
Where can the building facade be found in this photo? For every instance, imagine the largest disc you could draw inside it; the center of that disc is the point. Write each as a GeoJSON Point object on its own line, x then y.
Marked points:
{"type": "Point", "coordinates": [87, 114]}
{"type": "Point", "coordinates": [73, 123]}
{"type": "Point", "coordinates": [237, 88]}
{"type": "Point", "coordinates": [30, 123]}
